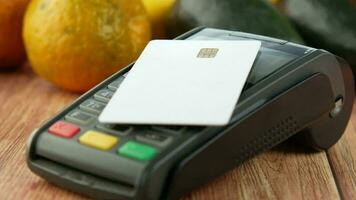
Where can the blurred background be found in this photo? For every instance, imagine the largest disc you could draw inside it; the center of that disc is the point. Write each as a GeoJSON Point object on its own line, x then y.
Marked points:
{"type": "Point", "coordinates": [75, 44]}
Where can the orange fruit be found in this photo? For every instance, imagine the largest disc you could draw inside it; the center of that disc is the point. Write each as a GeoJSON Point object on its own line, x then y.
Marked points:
{"type": "Point", "coordinates": [75, 44]}
{"type": "Point", "coordinates": [12, 52]}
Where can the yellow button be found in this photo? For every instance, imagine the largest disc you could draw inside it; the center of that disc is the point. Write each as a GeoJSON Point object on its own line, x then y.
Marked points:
{"type": "Point", "coordinates": [98, 140]}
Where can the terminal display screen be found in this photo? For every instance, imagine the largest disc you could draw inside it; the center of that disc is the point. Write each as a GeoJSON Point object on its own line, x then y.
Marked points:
{"type": "Point", "coordinates": [268, 60]}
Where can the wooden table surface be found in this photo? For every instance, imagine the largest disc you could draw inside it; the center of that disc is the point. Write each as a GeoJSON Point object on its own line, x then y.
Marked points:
{"type": "Point", "coordinates": [288, 171]}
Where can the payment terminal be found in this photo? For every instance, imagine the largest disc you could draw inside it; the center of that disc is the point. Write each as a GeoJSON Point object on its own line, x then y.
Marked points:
{"type": "Point", "coordinates": [291, 90]}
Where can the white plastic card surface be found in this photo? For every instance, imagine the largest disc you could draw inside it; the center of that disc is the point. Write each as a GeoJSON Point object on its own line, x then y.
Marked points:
{"type": "Point", "coordinates": [181, 82]}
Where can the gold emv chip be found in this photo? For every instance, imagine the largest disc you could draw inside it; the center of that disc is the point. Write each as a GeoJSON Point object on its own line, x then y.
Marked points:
{"type": "Point", "coordinates": [207, 52]}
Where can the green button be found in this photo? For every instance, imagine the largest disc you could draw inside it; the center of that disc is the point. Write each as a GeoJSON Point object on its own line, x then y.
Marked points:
{"type": "Point", "coordinates": [137, 151]}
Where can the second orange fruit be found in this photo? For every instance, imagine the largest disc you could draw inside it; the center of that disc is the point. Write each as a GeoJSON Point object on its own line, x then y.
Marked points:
{"type": "Point", "coordinates": [12, 52]}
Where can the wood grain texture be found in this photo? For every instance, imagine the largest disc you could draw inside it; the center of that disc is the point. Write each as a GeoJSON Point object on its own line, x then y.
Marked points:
{"type": "Point", "coordinates": [342, 158]}
{"type": "Point", "coordinates": [26, 101]}
{"type": "Point", "coordinates": [285, 172]}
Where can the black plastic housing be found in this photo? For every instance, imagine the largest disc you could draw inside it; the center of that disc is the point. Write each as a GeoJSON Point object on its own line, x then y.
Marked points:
{"type": "Point", "coordinates": [311, 96]}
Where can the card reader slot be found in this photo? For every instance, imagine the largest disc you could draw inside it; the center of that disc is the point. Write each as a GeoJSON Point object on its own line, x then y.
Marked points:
{"type": "Point", "coordinates": [70, 178]}
{"type": "Point", "coordinates": [97, 162]}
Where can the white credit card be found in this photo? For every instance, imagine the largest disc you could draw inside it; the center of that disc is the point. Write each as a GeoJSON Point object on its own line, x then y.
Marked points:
{"type": "Point", "coordinates": [181, 82]}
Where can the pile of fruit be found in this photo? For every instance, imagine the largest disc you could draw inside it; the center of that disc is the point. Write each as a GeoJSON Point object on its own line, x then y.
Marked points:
{"type": "Point", "coordinates": [75, 44]}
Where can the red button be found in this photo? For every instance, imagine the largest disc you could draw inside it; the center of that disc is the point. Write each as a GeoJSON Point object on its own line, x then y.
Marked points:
{"type": "Point", "coordinates": [64, 129]}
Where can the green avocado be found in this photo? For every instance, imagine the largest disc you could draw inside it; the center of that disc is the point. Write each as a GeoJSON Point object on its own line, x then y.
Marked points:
{"type": "Point", "coordinates": [327, 24]}
{"type": "Point", "coordinates": [253, 16]}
